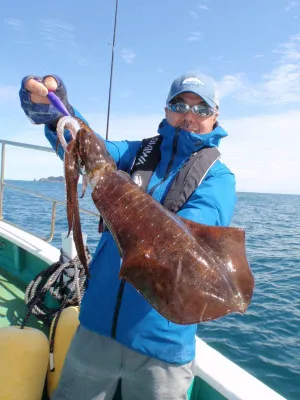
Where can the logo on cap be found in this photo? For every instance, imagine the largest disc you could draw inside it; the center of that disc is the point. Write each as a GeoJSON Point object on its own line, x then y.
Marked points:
{"type": "Point", "coordinates": [192, 82]}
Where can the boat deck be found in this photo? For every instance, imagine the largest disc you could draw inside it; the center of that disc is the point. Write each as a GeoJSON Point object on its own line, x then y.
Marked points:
{"type": "Point", "coordinates": [13, 309]}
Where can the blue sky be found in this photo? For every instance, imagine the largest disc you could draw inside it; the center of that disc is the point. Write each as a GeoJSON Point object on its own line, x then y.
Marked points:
{"type": "Point", "coordinates": [252, 49]}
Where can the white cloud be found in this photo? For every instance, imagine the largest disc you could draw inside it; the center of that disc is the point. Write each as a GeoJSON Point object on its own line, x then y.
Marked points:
{"type": "Point", "coordinates": [259, 56]}
{"type": "Point", "coordinates": [290, 5]}
{"type": "Point", "coordinates": [60, 37]}
{"type": "Point", "coordinates": [203, 7]}
{"type": "Point", "coordinates": [290, 50]}
{"type": "Point", "coordinates": [194, 36]}
{"type": "Point", "coordinates": [128, 55]}
{"type": "Point", "coordinates": [15, 24]}
{"type": "Point", "coordinates": [82, 61]}
{"type": "Point", "coordinates": [38, 164]}
{"type": "Point", "coordinates": [19, 33]}
{"type": "Point", "coordinates": [56, 31]}
{"type": "Point", "coordinates": [279, 86]}
{"type": "Point", "coordinates": [263, 152]}
{"type": "Point", "coordinates": [194, 14]}
{"type": "Point", "coordinates": [26, 164]}
{"type": "Point", "coordinates": [200, 7]}
{"type": "Point", "coordinates": [218, 58]}
{"type": "Point", "coordinates": [231, 84]}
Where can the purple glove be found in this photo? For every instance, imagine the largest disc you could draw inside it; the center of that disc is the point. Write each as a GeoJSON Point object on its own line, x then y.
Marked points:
{"type": "Point", "coordinates": [44, 113]}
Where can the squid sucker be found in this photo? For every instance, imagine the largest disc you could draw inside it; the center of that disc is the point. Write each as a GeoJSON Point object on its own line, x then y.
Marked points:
{"type": "Point", "coordinates": [187, 271]}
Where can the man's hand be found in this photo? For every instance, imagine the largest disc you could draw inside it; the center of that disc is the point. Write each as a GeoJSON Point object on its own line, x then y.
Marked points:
{"type": "Point", "coordinates": [38, 88]}
{"type": "Point", "coordinates": [34, 100]}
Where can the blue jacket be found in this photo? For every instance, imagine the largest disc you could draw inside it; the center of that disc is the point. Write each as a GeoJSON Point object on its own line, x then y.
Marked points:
{"type": "Point", "coordinates": [137, 325]}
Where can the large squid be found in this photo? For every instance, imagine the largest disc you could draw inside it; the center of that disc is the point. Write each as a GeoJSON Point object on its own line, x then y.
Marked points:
{"type": "Point", "coordinates": [187, 271]}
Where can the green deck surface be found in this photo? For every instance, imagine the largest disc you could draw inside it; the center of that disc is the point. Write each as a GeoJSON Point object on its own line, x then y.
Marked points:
{"type": "Point", "coordinates": [13, 309]}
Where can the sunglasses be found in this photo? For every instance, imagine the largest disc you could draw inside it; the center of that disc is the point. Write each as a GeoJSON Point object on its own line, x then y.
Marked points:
{"type": "Point", "coordinates": [198, 109]}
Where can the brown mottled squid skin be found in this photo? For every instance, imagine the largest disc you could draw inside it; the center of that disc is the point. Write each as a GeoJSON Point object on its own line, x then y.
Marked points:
{"type": "Point", "coordinates": [188, 272]}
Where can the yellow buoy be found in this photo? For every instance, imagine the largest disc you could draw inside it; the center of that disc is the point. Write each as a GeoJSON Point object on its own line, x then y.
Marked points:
{"type": "Point", "coordinates": [65, 330]}
{"type": "Point", "coordinates": [24, 355]}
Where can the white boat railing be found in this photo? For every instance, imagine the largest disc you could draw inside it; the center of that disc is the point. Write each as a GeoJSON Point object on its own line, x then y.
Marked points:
{"type": "Point", "coordinates": [227, 378]}
{"type": "Point", "coordinates": [54, 201]}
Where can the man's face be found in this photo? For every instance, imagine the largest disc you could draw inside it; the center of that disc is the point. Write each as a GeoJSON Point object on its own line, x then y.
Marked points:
{"type": "Point", "coordinates": [189, 121]}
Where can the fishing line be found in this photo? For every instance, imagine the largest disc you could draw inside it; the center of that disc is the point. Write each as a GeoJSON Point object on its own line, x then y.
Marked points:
{"type": "Point", "coordinates": [111, 69]}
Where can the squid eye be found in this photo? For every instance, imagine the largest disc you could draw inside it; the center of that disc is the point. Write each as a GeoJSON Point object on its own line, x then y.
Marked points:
{"type": "Point", "coordinates": [81, 167]}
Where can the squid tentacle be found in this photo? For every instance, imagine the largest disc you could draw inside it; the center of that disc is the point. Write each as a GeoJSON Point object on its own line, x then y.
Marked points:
{"type": "Point", "coordinates": [71, 169]}
{"type": "Point", "coordinates": [71, 179]}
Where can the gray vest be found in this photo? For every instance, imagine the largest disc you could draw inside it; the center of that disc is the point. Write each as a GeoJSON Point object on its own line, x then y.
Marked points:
{"type": "Point", "coordinates": [187, 179]}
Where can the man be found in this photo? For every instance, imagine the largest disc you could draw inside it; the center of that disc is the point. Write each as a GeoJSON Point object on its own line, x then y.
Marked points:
{"type": "Point", "coordinates": [121, 337]}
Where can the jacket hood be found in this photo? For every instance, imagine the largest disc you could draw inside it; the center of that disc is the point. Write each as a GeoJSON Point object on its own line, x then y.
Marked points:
{"type": "Point", "coordinates": [192, 141]}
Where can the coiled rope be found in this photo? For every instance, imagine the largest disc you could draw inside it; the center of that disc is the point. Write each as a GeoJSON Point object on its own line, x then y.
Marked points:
{"type": "Point", "coordinates": [65, 282]}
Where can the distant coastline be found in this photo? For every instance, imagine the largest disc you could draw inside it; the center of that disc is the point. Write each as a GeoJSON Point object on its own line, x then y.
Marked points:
{"type": "Point", "coordinates": [51, 179]}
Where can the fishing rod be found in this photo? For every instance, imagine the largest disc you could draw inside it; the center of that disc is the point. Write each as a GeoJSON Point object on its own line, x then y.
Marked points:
{"type": "Point", "coordinates": [111, 70]}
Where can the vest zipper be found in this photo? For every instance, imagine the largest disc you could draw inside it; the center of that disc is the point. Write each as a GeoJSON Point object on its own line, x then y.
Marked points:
{"type": "Point", "coordinates": [117, 309]}
{"type": "Point", "coordinates": [174, 149]}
